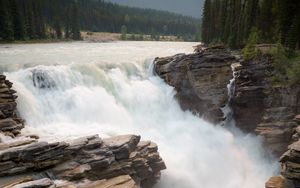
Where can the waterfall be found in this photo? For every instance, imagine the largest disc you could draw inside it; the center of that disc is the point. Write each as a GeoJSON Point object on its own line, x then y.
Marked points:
{"type": "Point", "coordinates": [70, 100]}
{"type": "Point", "coordinates": [228, 113]}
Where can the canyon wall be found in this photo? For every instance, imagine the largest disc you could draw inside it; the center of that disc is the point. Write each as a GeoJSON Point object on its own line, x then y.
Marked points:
{"type": "Point", "coordinates": [258, 106]}
{"type": "Point", "coordinates": [200, 80]}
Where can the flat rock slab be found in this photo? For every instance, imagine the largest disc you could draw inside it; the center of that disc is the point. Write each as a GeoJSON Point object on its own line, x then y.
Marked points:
{"type": "Point", "coordinates": [278, 182]}
{"type": "Point", "coordinates": [118, 182]}
{"type": "Point", "coordinates": [41, 183]}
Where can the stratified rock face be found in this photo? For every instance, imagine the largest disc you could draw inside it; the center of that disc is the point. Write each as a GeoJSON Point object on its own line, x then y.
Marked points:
{"type": "Point", "coordinates": [290, 160]}
{"type": "Point", "coordinates": [200, 80]}
{"type": "Point", "coordinates": [263, 108]}
{"type": "Point", "coordinates": [88, 158]}
{"type": "Point", "coordinates": [10, 124]}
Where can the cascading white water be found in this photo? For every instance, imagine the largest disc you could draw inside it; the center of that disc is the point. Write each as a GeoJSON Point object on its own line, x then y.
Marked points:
{"type": "Point", "coordinates": [111, 93]}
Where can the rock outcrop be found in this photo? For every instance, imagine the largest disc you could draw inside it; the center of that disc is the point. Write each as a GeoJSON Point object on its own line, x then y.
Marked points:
{"type": "Point", "coordinates": [261, 107]}
{"type": "Point", "coordinates": [89, 158]}
{"type": "Point", "coordinates": [290, 160]}
{"type": "Point", "coordinates": [10, 124]}
{"type": "Point", "coordinates": [279, 182]}
{"type": "Point", "coordinates": [200, 80]}
{"type": "Point", "coordinates": [121, 161]}
{"type": "Point", "coordinates": [258, 106]}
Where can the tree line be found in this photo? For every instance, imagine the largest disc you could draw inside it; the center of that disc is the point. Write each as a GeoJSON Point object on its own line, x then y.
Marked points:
{"type": "Point", "coordinates": [34, 19]}
{"type": "Point", "coordinates": [109, 17]}
{"type": "Point", "coordinates": [232, 21]}
{"type": "Point", "coordinates": [56, 19]}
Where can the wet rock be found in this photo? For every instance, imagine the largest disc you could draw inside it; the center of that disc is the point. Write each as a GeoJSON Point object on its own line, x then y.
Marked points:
{"type": "Point", "coordinates": [10, 124]}
{"type": "Point", "coordinates": [279, 182]}
{"type": "Point", "coordinates": [89, 158]}
{"type": "Point", "coordinates": [291, 162]}
{"type": "Point", "coordinates": [200, 80]}
{"type": "Point", "coordinates": [122, 146]}
{"type": "Point", "coordinates": [42, 80]}
{"type": "Point", "coordinates": [263, 108]}
{"type": "Point", "coordinates": [258, 106]}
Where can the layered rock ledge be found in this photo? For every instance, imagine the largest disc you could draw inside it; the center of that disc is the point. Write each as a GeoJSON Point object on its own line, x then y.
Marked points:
{"type": "Point", "coordinates": [121, 161]}
{"type": "Point", "coordinates": [10, 124]}
{"type": "Point", "coordinates": [290, 163]}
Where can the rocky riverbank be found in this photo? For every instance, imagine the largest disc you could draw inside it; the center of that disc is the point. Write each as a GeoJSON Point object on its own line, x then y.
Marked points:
{"type": "Point", "coordinates": [258, 106]}
{"type": "Point", "coordinates": [122, 161]}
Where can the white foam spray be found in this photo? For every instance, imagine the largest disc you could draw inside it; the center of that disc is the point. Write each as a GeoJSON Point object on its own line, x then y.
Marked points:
{"type": "Point", "coordinates": [110, 98]}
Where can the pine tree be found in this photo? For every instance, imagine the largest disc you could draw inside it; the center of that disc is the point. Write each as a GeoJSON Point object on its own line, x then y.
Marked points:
{"type": "Point", "coordinates": [293, 34]}
{"type": "Point", "coordinates": [123, 32]}
{"type": "Point", "coordinates": [29, 20]}
{"type": "Point", "coordinates": [251, 51]}
{"type": "Point", "coordinates": [206, 22]}
{"type": "Point", "coordinates": [75, 29]}
{"type": "Point", "coordinates": [18, 21]}
{"type": "Point", "coordinates": [39, 20]}
{"type": "Point", "coordinates": [266, 20]}
{"type": "Point", "coordinates": [57, 28]}
{"type": "Point", "coordinates": [6, 30]}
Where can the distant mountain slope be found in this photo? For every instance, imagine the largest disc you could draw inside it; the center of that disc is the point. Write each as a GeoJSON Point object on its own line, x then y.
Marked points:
{"type": "Point", "coordinates": [186, 7]}
{"type": "Point", "coordinates": [110, 17]}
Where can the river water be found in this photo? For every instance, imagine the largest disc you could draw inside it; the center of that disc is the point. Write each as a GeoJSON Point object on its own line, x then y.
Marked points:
{"type": "Point", "coordinates": [109, 89]}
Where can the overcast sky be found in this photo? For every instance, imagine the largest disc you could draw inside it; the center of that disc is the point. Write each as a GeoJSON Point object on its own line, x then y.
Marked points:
{"type": "Point", "coordinates": [185, 7]}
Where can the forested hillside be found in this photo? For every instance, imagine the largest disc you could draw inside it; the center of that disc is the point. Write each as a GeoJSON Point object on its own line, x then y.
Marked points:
{"type": "Point", "coordinates": [231, 22]}
{"type": "Point", "coordinates": [36, 19]}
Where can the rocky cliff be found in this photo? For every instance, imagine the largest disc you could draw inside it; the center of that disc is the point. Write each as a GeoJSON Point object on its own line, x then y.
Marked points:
{"type": "Point", "coordinates": [122, 161]}
{"type": "Point", "coordinates": [200, 80]}
{"type": "Point", "coordinates": [258, 106]}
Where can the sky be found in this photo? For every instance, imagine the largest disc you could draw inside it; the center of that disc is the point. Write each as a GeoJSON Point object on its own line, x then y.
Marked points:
{"type": "Point", "coordinates": [186, 7]}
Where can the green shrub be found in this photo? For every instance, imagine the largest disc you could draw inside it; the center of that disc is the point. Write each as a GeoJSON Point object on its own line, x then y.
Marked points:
{"type": "Point", "coordinates": [251, 51]}
{"type": "Point", "coordinates": [294, 73]}
{"type": "Point", "coordinates": [286, 66]}
{"type": "Point", "coordinates": [281, 61]}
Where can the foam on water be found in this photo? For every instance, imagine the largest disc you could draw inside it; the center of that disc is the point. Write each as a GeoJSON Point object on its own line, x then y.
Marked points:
{"type": "Point", "coordinates": [115, 93]}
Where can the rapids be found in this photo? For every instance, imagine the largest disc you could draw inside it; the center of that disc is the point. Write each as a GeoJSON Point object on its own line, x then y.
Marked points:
{"type": "Point", "coordinates": [109, 89]}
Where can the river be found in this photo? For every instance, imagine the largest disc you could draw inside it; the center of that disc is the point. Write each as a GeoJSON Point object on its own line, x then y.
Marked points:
{"type": "Point", "coordinates": [109, 89]}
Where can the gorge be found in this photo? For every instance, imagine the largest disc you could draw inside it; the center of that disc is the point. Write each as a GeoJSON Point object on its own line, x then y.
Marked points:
{"type": "Point", "coordinates": [70, 90]}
